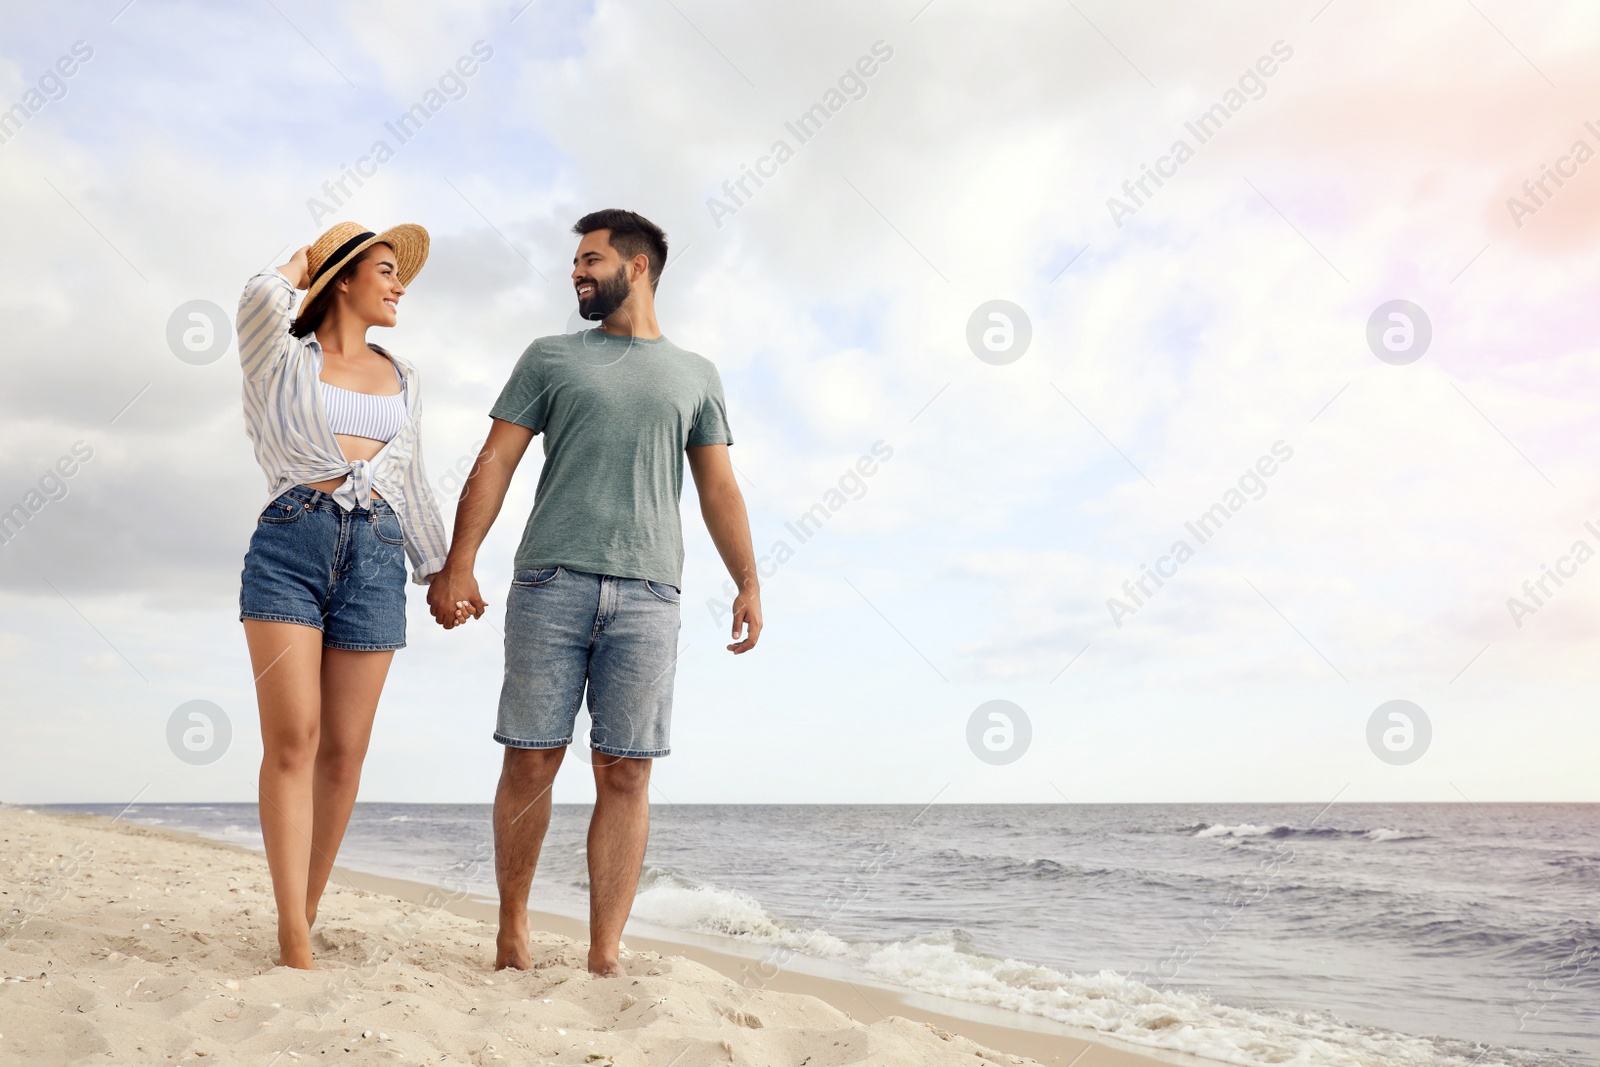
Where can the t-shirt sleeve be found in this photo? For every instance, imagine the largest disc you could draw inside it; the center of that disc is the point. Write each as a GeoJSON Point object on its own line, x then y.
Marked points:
{"type": "Point", "coordinates": [711, 420]}
{"type": "Point", "coordinates": [525, 400]}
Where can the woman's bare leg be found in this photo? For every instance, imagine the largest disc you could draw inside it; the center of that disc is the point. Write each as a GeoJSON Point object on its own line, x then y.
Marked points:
{"type": "Point", "coordinates": [287, 659]}
{"type": "Point", "coordinates": [351, 685]}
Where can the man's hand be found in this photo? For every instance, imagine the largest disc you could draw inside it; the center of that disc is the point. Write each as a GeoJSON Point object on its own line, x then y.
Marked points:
{"type": "Point", "coordinates": [722, 506]}
{"type": "Point", "coordinates": [746, 611]}
{"type": "Point", "coordinates": [453, 596]}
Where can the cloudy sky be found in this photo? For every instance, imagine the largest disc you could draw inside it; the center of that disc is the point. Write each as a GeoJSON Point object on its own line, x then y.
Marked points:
{"type": "Point", "coordinates": [1158, 348]}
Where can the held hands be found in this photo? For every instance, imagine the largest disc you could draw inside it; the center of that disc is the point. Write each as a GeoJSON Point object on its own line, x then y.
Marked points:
{"type": "Point", "coordinates": [453, 597]}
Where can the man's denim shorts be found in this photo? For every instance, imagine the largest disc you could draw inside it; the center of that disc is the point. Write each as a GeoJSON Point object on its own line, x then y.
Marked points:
{"type": "Point", "coordinates": [619, 636]}
{"type": "Point", "coordinates": [343, 572]}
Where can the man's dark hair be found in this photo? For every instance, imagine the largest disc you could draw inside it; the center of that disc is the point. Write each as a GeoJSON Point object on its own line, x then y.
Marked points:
{"type": "Point", "coordinates": [631, 234]}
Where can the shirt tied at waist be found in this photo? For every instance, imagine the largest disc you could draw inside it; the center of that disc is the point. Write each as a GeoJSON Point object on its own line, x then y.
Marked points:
{"type": "Point", "coordinates": [356, 491]}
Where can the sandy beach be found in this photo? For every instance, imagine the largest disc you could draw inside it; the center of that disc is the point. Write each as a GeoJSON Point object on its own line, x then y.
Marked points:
{"type": "Point", "coordinates": [125, 944]}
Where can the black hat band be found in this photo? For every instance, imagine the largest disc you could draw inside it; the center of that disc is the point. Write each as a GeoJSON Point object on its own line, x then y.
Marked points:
{"type": "Point", "coordinates": [339, 254]}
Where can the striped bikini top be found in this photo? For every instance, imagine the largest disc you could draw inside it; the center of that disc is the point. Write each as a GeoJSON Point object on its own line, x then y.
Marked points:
{"type": "Point", "coordinates": [365, 414]}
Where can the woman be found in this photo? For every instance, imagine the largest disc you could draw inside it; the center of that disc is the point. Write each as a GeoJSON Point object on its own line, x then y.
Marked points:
{"type": "Point", "coordinates": [336, 424]}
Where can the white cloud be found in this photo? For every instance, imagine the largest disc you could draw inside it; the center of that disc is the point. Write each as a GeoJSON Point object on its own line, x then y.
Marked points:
{"type": "Point", "coordinates": [1194, 337]}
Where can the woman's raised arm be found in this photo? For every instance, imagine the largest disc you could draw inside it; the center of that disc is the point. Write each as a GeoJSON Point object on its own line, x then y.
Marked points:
{"type": "Point", "coordinates": [264, 315]}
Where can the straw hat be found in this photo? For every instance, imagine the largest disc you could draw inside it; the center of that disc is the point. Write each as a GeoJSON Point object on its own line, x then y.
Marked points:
{"type": "Point", "coordinates": [343, 242]}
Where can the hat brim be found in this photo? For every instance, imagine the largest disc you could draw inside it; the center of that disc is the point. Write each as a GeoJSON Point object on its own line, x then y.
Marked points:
{"type": "Point", "coordinates": [410, 244]}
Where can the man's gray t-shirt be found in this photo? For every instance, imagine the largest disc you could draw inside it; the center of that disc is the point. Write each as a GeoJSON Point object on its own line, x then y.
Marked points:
{"type": "Point", "coordinates": [616, 414]}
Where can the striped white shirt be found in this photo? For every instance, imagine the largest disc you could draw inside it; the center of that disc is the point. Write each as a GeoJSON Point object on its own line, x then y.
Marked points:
{"type": "Point", "coordinates": [287, 422]}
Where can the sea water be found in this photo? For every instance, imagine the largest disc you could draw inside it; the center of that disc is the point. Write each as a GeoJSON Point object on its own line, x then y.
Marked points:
{"type": "Point", "coordinates": [1414, 935]}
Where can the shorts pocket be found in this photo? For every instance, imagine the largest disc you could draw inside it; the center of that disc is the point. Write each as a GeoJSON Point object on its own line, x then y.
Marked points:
{"type": "Point", "coordinates": [386, 524]}
{"type": "Point", "coordinates": [542, 576]}
{"type": "Point", "coordinates": [662, 591]}
{"type": "Point", "coordinates": [283, 510]}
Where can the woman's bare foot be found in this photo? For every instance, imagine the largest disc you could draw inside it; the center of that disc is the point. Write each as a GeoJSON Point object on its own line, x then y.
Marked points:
{"type": "Point", "coordinates": [298, 957]}
{"type": "Point", "coordinates": [294, 948]}
{"type": "Point", "coordinates": [511, 945]}
{"type": "Point", "coordinates": [311, 916]}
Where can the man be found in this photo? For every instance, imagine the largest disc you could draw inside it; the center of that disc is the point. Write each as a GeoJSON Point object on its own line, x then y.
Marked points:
{"type": "Point", "coordinates": [594, 599]}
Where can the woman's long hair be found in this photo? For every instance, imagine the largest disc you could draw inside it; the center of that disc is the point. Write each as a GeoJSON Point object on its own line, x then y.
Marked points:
{"type": "Point", "coordinates": [312, 314]}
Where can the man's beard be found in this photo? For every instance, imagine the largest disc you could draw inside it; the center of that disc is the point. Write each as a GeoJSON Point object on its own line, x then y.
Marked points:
{"type": "Point", "coordinates": [608, 295]}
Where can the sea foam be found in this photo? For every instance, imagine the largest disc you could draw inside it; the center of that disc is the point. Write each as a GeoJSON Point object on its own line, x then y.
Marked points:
{"type": "Point", "coordinates": [1108, 1003]}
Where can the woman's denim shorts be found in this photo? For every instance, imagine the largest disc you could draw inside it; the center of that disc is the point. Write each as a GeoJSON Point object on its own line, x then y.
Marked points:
{"type": "Point", "coordinates": [343, 572]}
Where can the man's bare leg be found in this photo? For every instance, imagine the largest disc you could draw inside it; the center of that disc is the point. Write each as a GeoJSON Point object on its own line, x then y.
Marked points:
{"type": "Point", "coordinates": [521, 817]}
{"type": "Point", "coordinates": [352, 682]}
{"type": "Point", "coordinates": [618, 832]}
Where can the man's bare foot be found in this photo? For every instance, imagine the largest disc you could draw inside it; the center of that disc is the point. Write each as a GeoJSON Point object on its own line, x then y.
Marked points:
{"type": "Point", "coordinates": [511, 946]}
{"type": "Point", "coordinates": [606, 966]}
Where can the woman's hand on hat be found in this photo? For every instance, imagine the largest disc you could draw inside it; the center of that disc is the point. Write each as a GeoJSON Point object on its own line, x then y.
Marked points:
{"type": "Point", "coordinates": [297, 270]}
